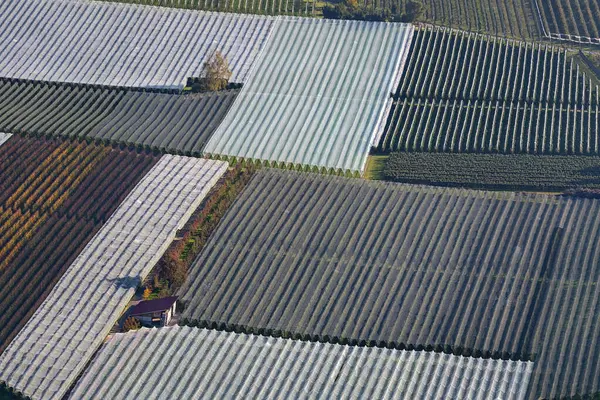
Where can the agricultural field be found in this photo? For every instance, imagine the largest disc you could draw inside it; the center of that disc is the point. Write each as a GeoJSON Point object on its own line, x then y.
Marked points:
{"type": "Point", "coordinates": [55, 197]}
{"type": "Point", "coordinates": [120, 44]}
{"type": "Point", "coordinates": [165, 121]}
{"type": "Point", "coordinates": [388, 265]}
{"type": "Point", "coordinates": [52, 349]}
{"type": "Point", "coordinates": [495, 171]}
{"type": "Point", "coordinates": [510, 18]}
{"type": "Point", "coordinates": [463, 92]}
{"type": "Point", "coordinates": [245, 365]}
{"type": "Point", "coordinates": [573, 20]}
{"type": "Point", "coordinates": [268, 7]}
{"type": "Point", "coordinates": [492, 127]}
{"type": "Point", "coordinates": [309, 111]}
{"type": "Point", "coordinates": [444, 64]}
{"type": "Point", "coordinates": [294, 284]}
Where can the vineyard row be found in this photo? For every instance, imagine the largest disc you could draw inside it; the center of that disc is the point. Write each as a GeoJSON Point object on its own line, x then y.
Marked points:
{"type": "Point", "coordinates": [492, 127]}
{"type": "Point", "coordinates": [576, 20]}
{"type": "Point", "coordinates": [446, 64]}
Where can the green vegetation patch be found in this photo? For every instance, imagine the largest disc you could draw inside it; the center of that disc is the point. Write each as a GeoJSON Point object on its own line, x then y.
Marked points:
{"type": "Point", "coordinates": [495, 171]}
{"type": "Point", "coordinates": [376, 166]}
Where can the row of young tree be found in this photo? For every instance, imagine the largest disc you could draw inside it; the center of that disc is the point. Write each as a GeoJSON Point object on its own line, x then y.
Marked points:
{"type": "Point", "coordinates": [34, 198]}
{"type": "Point", "coordinates": [351, 9]}
{"type": "Point", "coordinates": [107, 187]}
{"type": "Point", "coordinates": [577, 175]}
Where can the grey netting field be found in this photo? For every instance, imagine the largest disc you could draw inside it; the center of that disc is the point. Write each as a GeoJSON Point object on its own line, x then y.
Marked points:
{"type": "Point", "coordinates": [505, 274]}
{"type": "Point", "coordinates": [192, 363]}
{"type": "Point", "coordinates": [318, 95]}
{"type": "Point", "coordinates": [167, 121]}
{"type": "Point", "coordinates": [122, 44]}
{"type": "Point", "coordinates": [49, 353]}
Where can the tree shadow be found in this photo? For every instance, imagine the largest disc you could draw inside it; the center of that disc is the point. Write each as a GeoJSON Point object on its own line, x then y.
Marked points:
{"type": "Point", "coordinates": [127, 282]}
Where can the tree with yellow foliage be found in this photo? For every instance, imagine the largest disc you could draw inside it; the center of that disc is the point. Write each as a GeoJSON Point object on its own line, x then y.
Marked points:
{"type": "Point", "coordinates": [147, 293]}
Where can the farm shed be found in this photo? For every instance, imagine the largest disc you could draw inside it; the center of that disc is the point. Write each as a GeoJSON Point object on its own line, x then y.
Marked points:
{"type": "Point", "coordinates": [209, 364]}
{"type": "Point", "coordinates": [122, 44]}
{"type": "Point", "coordinates": [157, 312]}
{"type": "Point", "coordinates": [318, 95]}
{"type": "Point", "coordinates": [48, 354]}
{"type": "Point", "coordinates": [496, 274]}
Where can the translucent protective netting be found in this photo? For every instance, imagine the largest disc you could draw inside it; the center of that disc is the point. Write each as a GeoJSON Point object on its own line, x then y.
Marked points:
{"type": "Point", "coordinates": [4, 137]}
{"type": "Point", "coordinates": [122, 44]}
{"type": "Point", "coordinates": [48, 354]}
{"type": "Point", "coordinates": [318, 95]}
{"type": "Point", "coordinates": [186, 363]}
{"type": "Point", "coordinates": [326, 258]}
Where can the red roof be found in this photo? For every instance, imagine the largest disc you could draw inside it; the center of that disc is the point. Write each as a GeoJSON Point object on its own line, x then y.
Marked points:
{"type": "Point", "coordinates": [152, 306]}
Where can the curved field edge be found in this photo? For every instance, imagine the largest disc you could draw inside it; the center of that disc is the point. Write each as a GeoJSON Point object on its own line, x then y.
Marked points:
{"type": "Point", "coordinates": [250, 366]}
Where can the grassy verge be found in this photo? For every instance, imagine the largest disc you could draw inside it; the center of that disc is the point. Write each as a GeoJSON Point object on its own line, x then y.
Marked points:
{"type": "Point", "coordinates": [375, 167]}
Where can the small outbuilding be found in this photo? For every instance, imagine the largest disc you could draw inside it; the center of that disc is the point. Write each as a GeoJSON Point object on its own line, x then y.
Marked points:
{"type": "Point", "coordinates": [155, 313]}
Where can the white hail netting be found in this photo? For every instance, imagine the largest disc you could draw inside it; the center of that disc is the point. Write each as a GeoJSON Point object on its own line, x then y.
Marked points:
{"type": "Point", "coordinates": [122, 44]}
{"type": "Point", "coordinates": [199, 363]}
{"type": "Point", "coordinates": [4, 137]}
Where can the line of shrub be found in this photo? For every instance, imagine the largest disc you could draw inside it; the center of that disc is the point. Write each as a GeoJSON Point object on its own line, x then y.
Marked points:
{"type": "Point", "coordinates": [456, 350]}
